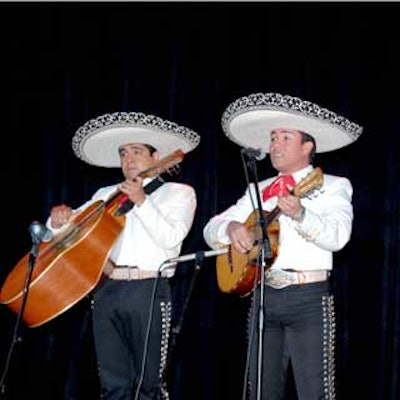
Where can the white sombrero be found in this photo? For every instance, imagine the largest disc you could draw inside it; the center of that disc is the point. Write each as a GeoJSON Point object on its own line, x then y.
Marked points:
{"type": "Point", "coordinates": [97, 141]}
{"type": "Point", "coordinates": [249, 121]}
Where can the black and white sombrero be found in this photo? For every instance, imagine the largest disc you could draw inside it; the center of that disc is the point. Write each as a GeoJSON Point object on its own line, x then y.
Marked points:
{"type": "Point", "coordinates": [249, 121]}
{"type": "Point", "coordinates": [97, 141]}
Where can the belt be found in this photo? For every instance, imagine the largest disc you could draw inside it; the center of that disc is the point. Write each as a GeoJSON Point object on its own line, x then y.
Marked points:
{"type": "Point", "coordinates": [280, 278]}
{"type": "Point", "coordinates": [128, 273]}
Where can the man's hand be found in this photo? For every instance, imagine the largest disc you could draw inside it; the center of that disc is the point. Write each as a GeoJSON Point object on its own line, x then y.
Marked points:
{"type": "Point", "coordinates": [290, 205]}
{"type": "Point", "coordinates": [60, 215]}
{"type": "Point", "coordinates": [241, 238]}
{"type": "Point", "coordinates": [134, 190]}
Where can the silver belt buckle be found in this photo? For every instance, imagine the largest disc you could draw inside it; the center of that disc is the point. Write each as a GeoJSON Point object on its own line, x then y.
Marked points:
{"type": "Point", "coordinates": [124, 272]}
{"type": "Point", "coordinates": [133, 272]}
{"type": "Point", "coordinates": [279, 279]}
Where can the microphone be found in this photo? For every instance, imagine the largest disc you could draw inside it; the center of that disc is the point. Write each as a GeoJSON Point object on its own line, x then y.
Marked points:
{"type": "Point", "coordinates": [39, 232]}
{"type": "Point", "coordinates": [258, 154]}
{"type": "Point", "coordinates": [198, 254]}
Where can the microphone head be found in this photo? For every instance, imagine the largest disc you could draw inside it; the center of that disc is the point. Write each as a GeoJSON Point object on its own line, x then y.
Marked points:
{"type": "Point", "coordinates": [257, 154]}
{"type": "Point", "coordinates": [261, 155]}
{"type": "Point", "coordinates": [39, 232]}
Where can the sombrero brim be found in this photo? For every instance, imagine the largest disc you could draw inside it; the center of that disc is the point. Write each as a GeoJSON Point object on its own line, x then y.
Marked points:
{"type": "Point", "coordinates": [250, 120]}
{"type": "Point", "coordinates": [98, 141]}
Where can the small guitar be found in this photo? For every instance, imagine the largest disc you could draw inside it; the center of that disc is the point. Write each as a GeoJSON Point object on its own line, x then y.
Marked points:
{"type": "Point", "coordinates": [72, 263]}
{"type": "Point", "coordinates": [239, 273]}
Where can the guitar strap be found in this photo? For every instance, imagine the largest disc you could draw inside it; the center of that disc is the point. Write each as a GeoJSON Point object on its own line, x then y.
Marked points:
{"type": "Point", "coordinates": [128, 204]}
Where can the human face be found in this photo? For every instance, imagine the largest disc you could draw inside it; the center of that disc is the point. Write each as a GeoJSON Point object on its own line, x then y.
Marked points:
{"type": "Point", "coordinates": [135, 158]}
{"type": "Point", "coordinates": [288, 154]}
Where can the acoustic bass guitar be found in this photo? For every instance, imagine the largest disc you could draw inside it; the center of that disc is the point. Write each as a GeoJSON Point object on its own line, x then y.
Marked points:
{"type": "Point", "coordinates": [70, 265]}
{"type": "Point", "coordinates": [239, 273]}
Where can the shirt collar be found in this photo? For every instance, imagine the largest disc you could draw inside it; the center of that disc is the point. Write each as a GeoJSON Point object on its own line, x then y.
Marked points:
{"type": "Point", "coordinates": [300, 174]}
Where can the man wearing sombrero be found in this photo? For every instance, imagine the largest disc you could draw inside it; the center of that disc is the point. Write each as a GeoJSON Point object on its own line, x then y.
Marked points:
{"type": "Point", "coordinates": [132, 306]}
{"type": "Point", "coordinates": [298, 319]}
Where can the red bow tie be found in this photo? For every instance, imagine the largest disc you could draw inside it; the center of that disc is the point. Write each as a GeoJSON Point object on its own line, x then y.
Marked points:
{"type": "Point", "coordinates": [278, 187]}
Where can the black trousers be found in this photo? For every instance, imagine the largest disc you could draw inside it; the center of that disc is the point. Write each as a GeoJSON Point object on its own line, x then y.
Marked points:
{"type": "Point", "coordinates": [299, 327]}
{"type": "Point", "coordinates": [121, 314]}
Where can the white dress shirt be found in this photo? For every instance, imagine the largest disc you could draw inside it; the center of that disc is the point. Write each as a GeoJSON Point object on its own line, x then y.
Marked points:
{"type": "Point", "coordinates": [306, 245]}
{"type": "Point", "coordinates": [155, 230]}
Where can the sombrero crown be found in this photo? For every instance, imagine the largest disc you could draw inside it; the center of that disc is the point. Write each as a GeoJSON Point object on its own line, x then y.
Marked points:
{"type": "Point", "coordinates": [249, 120]}
{"type": "Point", "coordinates": [97, 141]}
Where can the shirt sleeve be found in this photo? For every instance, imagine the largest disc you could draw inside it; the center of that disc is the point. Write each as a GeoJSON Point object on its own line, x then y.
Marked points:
{"type": "Point", "coordinates": [215, 230]}
{"type": "Point", "coordinates": [168, 219]}
{"type": "Point", "coordinates": [329, 225]}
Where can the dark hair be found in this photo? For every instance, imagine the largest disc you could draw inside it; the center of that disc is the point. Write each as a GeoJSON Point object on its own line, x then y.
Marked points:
{"type": "Point", "coordinates": [151, 148]}
{"type": "Point", "coordinates": [305, 137]}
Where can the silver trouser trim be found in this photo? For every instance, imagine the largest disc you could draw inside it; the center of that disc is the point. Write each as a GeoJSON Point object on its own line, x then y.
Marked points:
{"type": "Point", "coordinates": [329, 332]}
{"type": "Point", "coordinates": [166, 316]}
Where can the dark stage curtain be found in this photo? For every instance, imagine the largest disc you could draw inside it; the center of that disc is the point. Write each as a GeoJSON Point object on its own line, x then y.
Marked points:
{"type": "Point", "coordinates": [65, 63]}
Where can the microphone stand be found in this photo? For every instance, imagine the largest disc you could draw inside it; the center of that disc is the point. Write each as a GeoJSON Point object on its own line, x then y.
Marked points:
{"type": "Point", "coordinates": [265, 254]}
{"type": "Point", "coordinates": [17, 338]}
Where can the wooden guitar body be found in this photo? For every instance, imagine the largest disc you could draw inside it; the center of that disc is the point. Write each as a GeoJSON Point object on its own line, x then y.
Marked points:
{"type": "Point", "coordinates": [69, 266]}
{"type": "Point", "coordinates": [240, 273]}
{"type": "Point", "coordinates": [66, 268]}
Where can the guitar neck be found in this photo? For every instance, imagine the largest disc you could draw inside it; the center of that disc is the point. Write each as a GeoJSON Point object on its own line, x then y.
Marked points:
{"type": "Point", "coordinates": [272, 215]}
{"type": "Point", "coordinates": [156, 169]}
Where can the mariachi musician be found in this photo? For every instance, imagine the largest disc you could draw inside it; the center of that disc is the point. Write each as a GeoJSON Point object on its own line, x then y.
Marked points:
{"type": "Point", "coordinates": [157, 218]}
{"type": "Point", "coordinates": [298, 319]}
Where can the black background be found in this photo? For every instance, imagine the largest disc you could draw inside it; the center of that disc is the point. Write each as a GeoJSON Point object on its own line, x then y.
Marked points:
{"type": "Point", "coordinates": [64, 63]}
